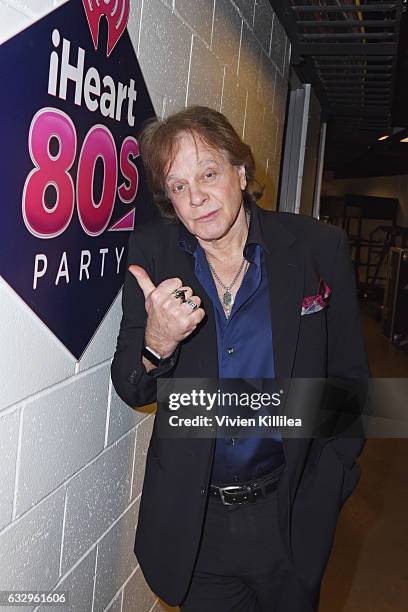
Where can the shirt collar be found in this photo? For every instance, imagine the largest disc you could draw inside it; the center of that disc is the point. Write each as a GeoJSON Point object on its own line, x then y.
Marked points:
{"type": "Point", "coordinates": [188, 242]}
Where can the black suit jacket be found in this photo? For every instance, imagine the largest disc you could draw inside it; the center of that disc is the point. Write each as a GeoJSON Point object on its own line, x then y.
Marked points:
{"type": "Point", "coordinates": [320, 472]}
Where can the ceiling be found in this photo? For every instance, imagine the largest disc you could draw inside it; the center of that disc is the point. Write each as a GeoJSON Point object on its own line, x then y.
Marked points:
{"type": "Point", "coordinates": [355, 55]}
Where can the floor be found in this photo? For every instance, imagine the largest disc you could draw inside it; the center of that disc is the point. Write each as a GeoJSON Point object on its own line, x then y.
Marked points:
{"type": "Point", "coordinates": [368, 567]}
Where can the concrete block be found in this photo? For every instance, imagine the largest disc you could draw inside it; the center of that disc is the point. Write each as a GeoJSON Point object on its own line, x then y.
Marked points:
{"type": "Point", "coordinates": [62, 430]}
{"type": "Point", "coordinates": [206, 91]}
{"type": "Point", "coordinates": [263, 23]}
{"type": "Point", "coordinates": [23, 338]}
{"type": "Point", "coordinates": [266, 80]}
{"type": "Point", "coordinates": [254, 124]}
{"type": "Point", "coordinates": [103, 344]}
{"type": "Point", "coordinates": [268, 140]}
{"type": "Point", "coordinates": [143, 435]}
{"type": "Point", "coordinates": [133, 25]}
{"type": "Point", "coordinates": [268, 200]}
{"type": "Point", "coordinates": [122, 417]}
{"type": "Point", "coordinates": [198, 14]}
{"type": "Point", "coordinates": [79, 586]}
{"type": "Point", "coordinates": [137, 594]}
{"type": "Point", "coordinates": [280, 96]}
{"type": "Point", "coordinates": [9, 425]}
{"type": "Point", "coordinates": [158, 103]}
{"type": "Point", "coordinates": [116, 604]}
{"type": "Point", "coordinates": [164, 50]}
{"type": "Point", "coordinates": [116, 559]}
{"type": "Point", "coordinates": [226, 37]}
{"type": "Point", "coordinates": [246, 8]}
{"type": "Point", "coordinates": [96, 497]}
{"type": "Point", "coordinates": [234, 101]}
{"type": "Point", "coordinates": [30, 548]}
{"type": "Point", "coordinates": [249, 60]}
{"type": "Point", "coordinates": [278, 44]}
{"type": "Point", "coordinates": [169, 3]}
{"type": "Point", "coordinates": [171, 106]}
{"type": "Point", "coordinates": [35, 9]}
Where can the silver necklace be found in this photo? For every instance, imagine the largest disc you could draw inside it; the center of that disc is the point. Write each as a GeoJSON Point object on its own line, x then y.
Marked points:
{"type": "Point", "coordinates": [227, 298]}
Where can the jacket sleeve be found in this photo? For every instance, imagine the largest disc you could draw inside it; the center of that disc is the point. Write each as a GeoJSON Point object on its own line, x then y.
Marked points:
{"type": "Point", "coordinates": [347, 359]}
{"type": "Point", "coordinates": [346, 352]}
{"type": "Point", "coordinates": [133, 385]}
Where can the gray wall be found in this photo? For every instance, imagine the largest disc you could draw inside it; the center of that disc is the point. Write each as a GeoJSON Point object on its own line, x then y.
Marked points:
{"type": "Point", "coordinates": [72, 454]}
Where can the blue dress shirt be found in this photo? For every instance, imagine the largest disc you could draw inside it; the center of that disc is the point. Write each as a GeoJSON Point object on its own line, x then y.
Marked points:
{"type": "Point", "coordinates": [244, 343]}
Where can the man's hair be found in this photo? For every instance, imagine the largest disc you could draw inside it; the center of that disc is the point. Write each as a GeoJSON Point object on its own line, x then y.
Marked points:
{"type": "Point", "coordinates": [158, 147]}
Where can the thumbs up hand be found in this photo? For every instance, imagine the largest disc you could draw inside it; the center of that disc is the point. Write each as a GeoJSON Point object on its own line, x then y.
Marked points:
{"type": "Point", "coordinates": [169, 320]}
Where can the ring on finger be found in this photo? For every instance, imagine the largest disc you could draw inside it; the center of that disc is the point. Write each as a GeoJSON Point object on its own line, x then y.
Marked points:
{"type": "Point", "coordinates": [192, 304]}
{"type": "Point", "coordinates": [179, 293]}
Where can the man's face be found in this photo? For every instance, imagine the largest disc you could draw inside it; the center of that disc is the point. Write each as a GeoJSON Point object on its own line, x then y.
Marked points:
{"type": "Point", "coordinates": [204, 188]}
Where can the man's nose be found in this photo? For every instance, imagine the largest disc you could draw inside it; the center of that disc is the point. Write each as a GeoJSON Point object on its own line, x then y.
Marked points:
{"type": "Point", "coordinates": [198, 196]}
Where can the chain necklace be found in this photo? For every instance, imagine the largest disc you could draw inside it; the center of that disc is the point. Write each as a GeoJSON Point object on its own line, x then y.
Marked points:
{"type": "Point", "coordinates": [227, 298]}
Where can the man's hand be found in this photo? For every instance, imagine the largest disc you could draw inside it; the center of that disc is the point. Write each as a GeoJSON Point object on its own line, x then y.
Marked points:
{"type": "Point", "coordinates": [169, 320]}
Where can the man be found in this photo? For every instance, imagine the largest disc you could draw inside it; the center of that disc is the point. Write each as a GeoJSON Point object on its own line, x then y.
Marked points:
{"type": "Point", "coordinates": [222, 288]}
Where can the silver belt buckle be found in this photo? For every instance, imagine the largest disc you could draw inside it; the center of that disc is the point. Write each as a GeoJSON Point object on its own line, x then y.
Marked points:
{"type": "Point", "coordinates": [222, 489]}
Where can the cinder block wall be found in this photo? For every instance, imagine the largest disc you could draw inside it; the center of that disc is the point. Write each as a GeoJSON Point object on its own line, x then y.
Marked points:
{"type": "Point", "coordinates": [72, 454]}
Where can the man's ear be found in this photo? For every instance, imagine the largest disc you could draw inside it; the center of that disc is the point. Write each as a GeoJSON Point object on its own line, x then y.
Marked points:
{"type": "Point", "coordinates": [242, 176]}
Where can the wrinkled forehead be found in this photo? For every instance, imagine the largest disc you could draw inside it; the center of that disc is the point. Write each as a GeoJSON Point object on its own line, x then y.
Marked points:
{"type": "Point", "coordinates": [187, 144]}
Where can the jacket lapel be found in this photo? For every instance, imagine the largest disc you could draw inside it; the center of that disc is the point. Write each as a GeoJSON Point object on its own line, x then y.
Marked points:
{"type": "Point", "coordinates": [285, 268]}
{"type": "Point", "coordinates": [286, 279]}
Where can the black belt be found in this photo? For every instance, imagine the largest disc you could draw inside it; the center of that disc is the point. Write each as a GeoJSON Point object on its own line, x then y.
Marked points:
{"type": "Point", "coordinates": [247, 491]}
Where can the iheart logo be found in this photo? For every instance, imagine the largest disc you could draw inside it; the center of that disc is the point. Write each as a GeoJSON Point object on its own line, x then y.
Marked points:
{"type": "Point", "coordinates": [116, 13]}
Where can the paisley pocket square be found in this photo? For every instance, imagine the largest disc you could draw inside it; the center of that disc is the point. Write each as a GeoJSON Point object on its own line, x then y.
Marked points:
{"type": "Point", "coordinates": [314, 303]}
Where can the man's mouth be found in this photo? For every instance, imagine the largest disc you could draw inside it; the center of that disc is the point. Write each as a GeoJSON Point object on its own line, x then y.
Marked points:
{"type": "Point", "coordinates": [208, 217]}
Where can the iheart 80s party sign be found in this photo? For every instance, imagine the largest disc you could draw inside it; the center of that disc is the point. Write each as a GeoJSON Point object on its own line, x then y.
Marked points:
{"type": "Point", "coordinates": [72, 185]}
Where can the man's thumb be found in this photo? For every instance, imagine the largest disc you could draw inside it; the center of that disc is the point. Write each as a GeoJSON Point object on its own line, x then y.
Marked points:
{"type": "Point", "coordinates": [143, 279]}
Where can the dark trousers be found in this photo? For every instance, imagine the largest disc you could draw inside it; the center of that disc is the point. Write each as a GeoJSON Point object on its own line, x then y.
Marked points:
{"type": "Point", "coordinates": [242, 564]}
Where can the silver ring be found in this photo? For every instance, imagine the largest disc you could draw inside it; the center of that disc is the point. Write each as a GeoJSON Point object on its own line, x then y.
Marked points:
{"type": "Point", "coordinates": [179, 293]}
{"type": "Point", "coordinates": [192, 304]}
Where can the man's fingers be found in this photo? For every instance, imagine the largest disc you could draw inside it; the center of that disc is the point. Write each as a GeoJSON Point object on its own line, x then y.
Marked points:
{"type": "Point", "coordinates": [187, 307]}
{"type": "Point", "coordinates": [143, 279]}
{"type": "Point", "coordinates": [197, 316]}
{"type": "Point", "coordinates": [170, 284]}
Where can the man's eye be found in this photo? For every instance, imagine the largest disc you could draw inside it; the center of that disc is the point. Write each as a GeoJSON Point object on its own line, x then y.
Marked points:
{"type": "Point", "coordinates": [178, 188]}
{"type": "Point", "coordinates": [210, 175]}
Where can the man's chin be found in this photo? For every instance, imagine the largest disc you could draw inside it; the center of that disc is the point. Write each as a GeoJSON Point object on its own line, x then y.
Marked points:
{"type": "Point", "coordinates": [211, 236]}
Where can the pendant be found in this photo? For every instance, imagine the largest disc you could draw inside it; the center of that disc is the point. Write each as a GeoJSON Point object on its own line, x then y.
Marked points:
{"type": "Point", "coordinates": [227, 298]}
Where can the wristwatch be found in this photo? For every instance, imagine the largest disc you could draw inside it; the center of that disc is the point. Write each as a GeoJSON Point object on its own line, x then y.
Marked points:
{"type": "Point", "coordinates": [156, 359]}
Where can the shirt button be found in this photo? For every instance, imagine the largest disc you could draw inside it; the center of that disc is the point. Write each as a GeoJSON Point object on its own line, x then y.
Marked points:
{"type": "Point", "coordinates": [233, 440]}
{"type": "Point", "coordinates": [202, 491]}
{"type": "Point", "coordinates": [230, 350]}
{"type": "Point", "coordinates": [236, 478]}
